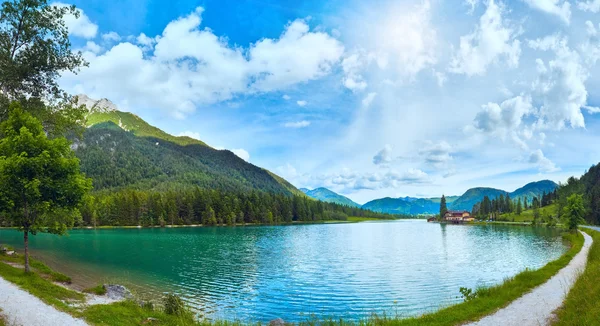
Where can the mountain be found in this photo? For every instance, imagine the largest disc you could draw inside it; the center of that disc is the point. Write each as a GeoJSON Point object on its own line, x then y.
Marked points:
{"type": "Point", "coordinates": [473, 196]}
{"type": "Point", "coordinates": [534, 189]}
{"type": "Point", "coordinates": [407, 205]}
{"type": "Point", "coordinates": [121, 150]}
{"type": "Point", "coordinates": [326, 195]}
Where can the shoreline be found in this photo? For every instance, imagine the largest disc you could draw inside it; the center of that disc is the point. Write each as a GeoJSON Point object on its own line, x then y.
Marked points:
{"type": "Point", "coordinates": [442, 312]}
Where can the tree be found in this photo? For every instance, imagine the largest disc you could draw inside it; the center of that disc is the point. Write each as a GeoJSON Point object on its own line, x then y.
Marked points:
{"type": "Point", "coordinates": [40, 182]}
{"type": "Point", "coordinates": [443, 207]}
{"type": "Point", "coordinates": [519, 207]}
{"type": "Point", "coordinates": [34, 51]}
{"type": "Point", "coordinates": [574, 211]}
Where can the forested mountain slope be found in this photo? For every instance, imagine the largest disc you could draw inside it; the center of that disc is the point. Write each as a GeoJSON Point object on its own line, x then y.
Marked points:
{"type": "Point", "coordinates": [120, 150]}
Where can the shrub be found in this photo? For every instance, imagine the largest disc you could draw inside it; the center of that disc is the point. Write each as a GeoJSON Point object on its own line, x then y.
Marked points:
{"type": "Point", "coordinates": [174, 305]}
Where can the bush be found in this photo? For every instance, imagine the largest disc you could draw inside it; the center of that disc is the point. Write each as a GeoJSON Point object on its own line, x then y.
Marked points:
{"type": "Point", "coordinates": [174, 305]}
{"type": "Point", "coordinates": [99, 290]}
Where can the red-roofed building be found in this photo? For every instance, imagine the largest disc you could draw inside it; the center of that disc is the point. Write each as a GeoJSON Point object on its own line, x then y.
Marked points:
{"type": "Point", "coordinates": [458, 216]}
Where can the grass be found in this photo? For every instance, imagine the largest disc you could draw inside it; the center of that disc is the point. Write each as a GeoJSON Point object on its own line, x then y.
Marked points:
{"type": "Point", "coordinates": [130, 313]}
{"type": "Point", "coordinates": [365, 219]}
{"type": "Point", "coordinates": [2, 321]}
{"type": "Point", "coordinates": [40, 287]}
{"type": "Point", "coordinates": [527, 215]}
{"type": "Point", "coordinates": [38, 266]}
{"type": "Point", "coordinates": [98, 290]}
{"type": "Point", "coordinates": [582, 307]}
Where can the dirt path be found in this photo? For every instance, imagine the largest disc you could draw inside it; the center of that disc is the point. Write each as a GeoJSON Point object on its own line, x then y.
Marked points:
{"type": "Point", "coordinates": [23, 309]}
{"type": "Point", "coordinates": [536, 307]}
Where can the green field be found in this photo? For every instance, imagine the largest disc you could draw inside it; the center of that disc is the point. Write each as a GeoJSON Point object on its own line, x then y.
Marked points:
{"type": "Point", "coordinates": [527, 216]}
{"type": "Point", "coordinates": [582, 306]}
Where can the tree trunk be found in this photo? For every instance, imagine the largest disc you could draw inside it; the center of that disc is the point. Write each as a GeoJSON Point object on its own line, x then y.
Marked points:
{"type": "Point", "coordinates": [26, 238]}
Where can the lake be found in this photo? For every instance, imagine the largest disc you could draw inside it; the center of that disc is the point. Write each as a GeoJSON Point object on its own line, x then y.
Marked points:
{"type": "Point", "coordinates": [295, 272]}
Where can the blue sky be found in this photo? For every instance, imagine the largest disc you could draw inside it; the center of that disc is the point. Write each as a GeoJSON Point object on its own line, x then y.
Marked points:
{"type": "Point", "coordinates": [370, 99]}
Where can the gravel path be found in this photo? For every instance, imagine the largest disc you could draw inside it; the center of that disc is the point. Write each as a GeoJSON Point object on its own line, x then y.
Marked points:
{"type": "Point", "coordinates": [536, 307]}
{"type": "Point", "coordinates": [23, 309]}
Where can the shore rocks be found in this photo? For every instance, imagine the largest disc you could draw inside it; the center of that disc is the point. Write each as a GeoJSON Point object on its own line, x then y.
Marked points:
{"type": "Point", "coordinates": [117, 292]}
{"type": "Point", "coordinates": [277, 322]}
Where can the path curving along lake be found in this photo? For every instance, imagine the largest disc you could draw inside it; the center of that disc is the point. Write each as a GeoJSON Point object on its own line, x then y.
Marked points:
{"type": "Point", "coordinates": [299, 272]}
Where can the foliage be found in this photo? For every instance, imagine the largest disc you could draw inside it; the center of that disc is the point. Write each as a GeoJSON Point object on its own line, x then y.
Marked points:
{"type": "Point", "coordinates": [574, 211]}
{"type": "Point", "coordinates": [40, 178]}
{"type": "Point", "coordinates": [582, 307]}
{"type": "Point", "coordinates": [174, 305]}
{"type": "Point", "coordinates": [209, 207]}
{"type": "Point", "coordinates": [443, 207]}
{"type": "Point", "coordinates": [467, 294]}
{"type": "Point", "coordinates": [35, 48]}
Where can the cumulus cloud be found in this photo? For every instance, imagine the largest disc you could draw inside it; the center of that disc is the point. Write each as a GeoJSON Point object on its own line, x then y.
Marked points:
{"type": "Point", "coordinates": [560, 85]}
{"type": "Point", "coordinates": [384, 156]}
{"type": "Point", "coordinates": [301, 103]}
{"type": "Point", "coordinates": [592, 5]}
{"type": "Point", "coordinates": [491, 40]}
{"type": "Point", "coordinates": [352, 66]}
{"type": "Point", "coordinates": [82, 26]}
{"type": "Point", "coordinates": [297, 124]}
{"type": "Point", "coordinates": [561, 9]}
{"type": "Point", "coordinates": [505, 118]}
{"type": "Point", "coordinates": [188, 66]}
{"type": "Point", "coordinates": [92, 47]}
{"type": "Point", "coordinates": [111, 37]}
{"type": "Point", "coordinates": [542, 162]}
{"type": "Point", "coordinates": [286, 97]}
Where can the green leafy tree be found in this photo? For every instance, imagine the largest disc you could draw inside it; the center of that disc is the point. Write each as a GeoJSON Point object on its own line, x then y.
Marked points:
{"type": "Point", "coordinates": [443, 207]}
{"type": "Point", "coordinates": [574, 211]}
{"type": "Point", "coordinates": [40, 182]}
{"type": "Point", "coordinates": [34, 51]}
{"type": "Point", "coordinates": [519, 207]}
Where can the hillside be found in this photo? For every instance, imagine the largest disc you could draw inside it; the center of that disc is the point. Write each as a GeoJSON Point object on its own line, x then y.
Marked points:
{"type": "Point", "coordinates": [326, 195]}
{"type": "Point", "coordinates": [120, 150]}
{"type": "Point", "coordinates": [408, 205]}
{"type": "Point", "coordinates": [473, 196]}
{"type": "Point", "coordinates": [534, 189]}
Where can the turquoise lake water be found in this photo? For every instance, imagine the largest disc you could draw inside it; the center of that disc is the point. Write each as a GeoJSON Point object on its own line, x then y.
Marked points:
{"type": "Point", "coordinates": [299, 272]}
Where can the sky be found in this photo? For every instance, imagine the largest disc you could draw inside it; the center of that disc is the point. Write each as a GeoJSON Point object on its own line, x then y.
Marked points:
{"type": "Point", "coordinates": [370, 99]}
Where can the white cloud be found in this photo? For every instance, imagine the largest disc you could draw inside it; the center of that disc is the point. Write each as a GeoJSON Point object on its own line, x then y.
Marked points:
{"type": "Point", "coordinates": [437, 154]}
{"type": "Point", "coordinates": [111, 37]}
{"type": "Point", "coordinates": [191, 134]}
{"type": "Point", "coordinates": [297, 56]}
{"type": "Point", "coordinates": [287, 171]}
{"type": "Point", "coordinates": [92, 47]}
{"type": "Point", "coordinates": [352, 66]}
{"type": "Point", "coordinates": [241, 153]}
{"type": "Point", "coordinates": [491, 40]}
{"type": "Point", "coordinates": [301, 103]}
{"type": "Point", "coordinates": [592, 109]}
{"type": "Point", "coordinates": [561, 9]}
{"type": "Point", "coordinates": [560, 85]}
{"type": "Point", "coordinates": [366, 102]}
{"type": "Point", "coordinates": [591, 5]}
{"type": "Point", "coordinates": [297, 124]}
{"type": "Point", "coordinates": [384, 156]}
{"type": "Point", "coordinates": [504, 118]}
{"type": "Point", "coordinates": [145, 41]}
{"type": "Point", "coordinates": [472, 4]}
{"type": "Point", "coordinates": [173, 80]}
{"type": "Point", "coordinates": [82, 26]}
{"type": "Point", "coordinates": [286, 97]}
{"type": "Point", "coordinates": [542, 162]}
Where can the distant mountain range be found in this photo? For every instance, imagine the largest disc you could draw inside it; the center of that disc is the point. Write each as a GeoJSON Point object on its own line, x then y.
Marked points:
{"type": "Point", "coordinates": [422, 206]}
{"type": "Point", "coordinates": [326, 195]}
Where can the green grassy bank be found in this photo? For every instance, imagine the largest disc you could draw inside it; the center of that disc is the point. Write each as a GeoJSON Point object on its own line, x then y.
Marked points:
{"type": "Point", "coordinates": [482, 302]}
{"type": "Point", "coordinates": [582, 305]}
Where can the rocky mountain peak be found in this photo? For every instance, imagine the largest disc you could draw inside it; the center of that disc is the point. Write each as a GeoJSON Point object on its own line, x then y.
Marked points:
{"type": "Point", "coordinates": [102, 105]}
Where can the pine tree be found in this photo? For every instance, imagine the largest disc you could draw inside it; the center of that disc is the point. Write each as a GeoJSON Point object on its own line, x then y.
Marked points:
{"type": "Point", "coordinates": [443, 207]}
